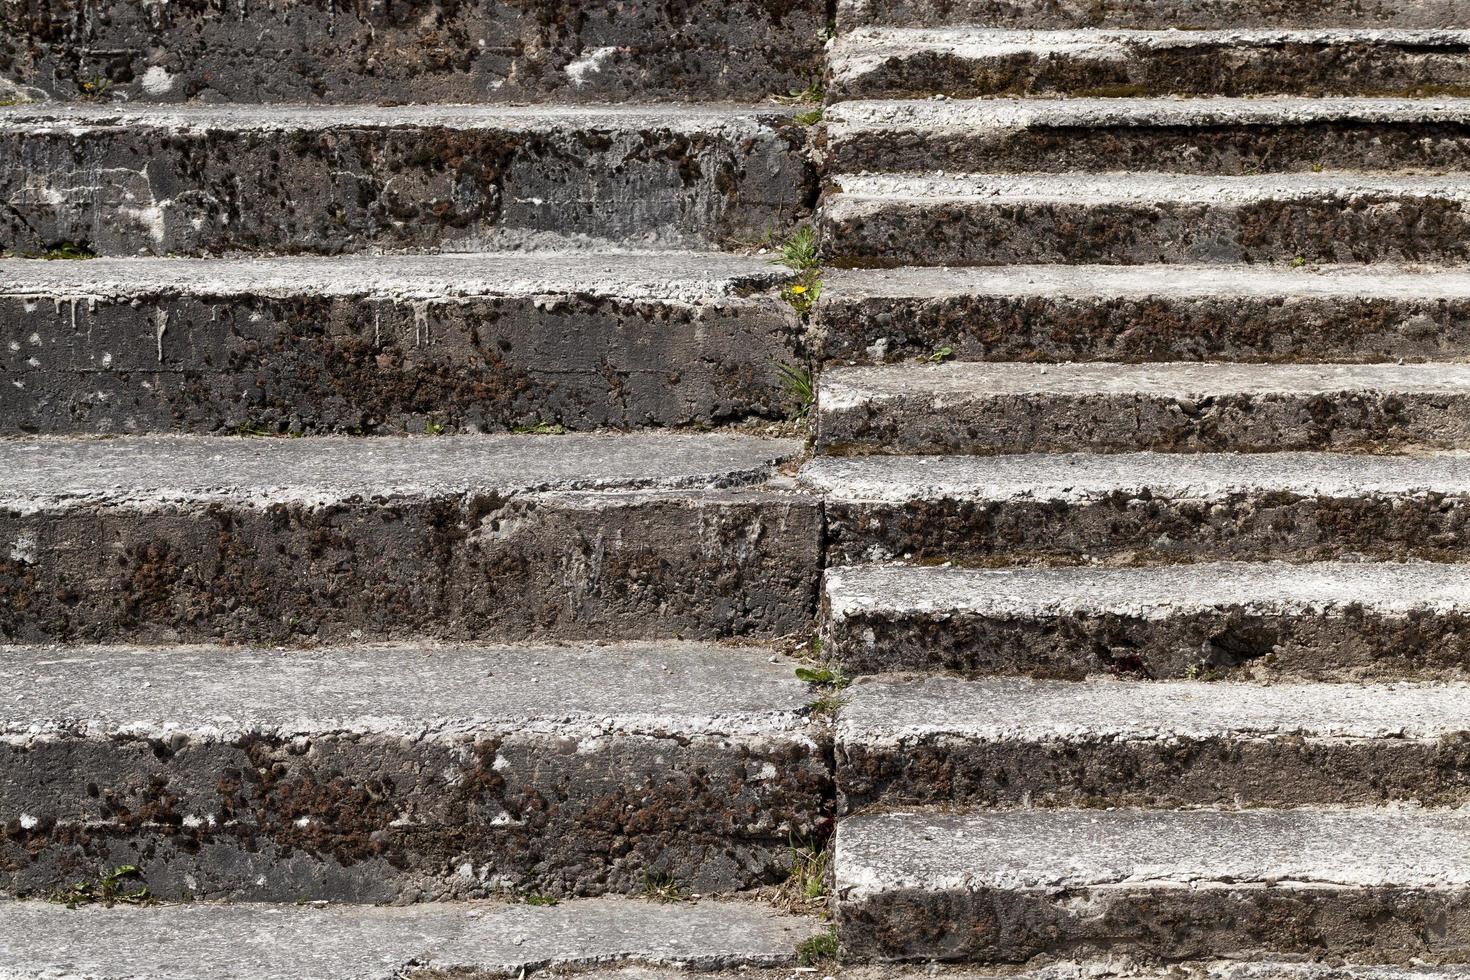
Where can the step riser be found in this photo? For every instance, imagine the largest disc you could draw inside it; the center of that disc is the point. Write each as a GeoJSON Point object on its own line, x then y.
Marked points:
{"type": "Point", "coordinates": [563, 565]}
{"type": "Point", "coordinates": [1132, 69]}
{"type": "Point", "coordinates": [132, 189]}
{"type": "Point", "coordinates": [1152, 14]}
{"type": "Point", "coordinates": [364, 364]}
{"type": "Point", "coordinates": [1228, 150]}
{"type": "Point", "coordinates": [424, 52]}
{"type": "Point", "coordinates": [379, 819]}
{"type": "Point", "coordinates": [1316, 229]}
{"type": "Point", "coordinates": [1127, 422]}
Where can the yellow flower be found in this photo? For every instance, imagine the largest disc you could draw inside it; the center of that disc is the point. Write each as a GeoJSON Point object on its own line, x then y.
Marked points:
{"type": "Point", "coordinates": [798, 290]}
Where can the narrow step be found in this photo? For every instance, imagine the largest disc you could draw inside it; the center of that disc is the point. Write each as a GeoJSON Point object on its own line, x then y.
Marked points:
{"type": "Point", "coordinates": [1263, 620]}
{"type": "Point", "coordinates": [207, 179]}
{"type": "Point", "coordinates": [1011, 742]}
{"type": "Point", "coordinates": [1145, 313]}
{"type": "Point", "coordinates": [165, 539]}
{"type": "Point", "coordinates": [998, 407]}
{"type": "Point", "coordinates": [292, 942]}
{"type": "Point", "coordinates": [1360, 885]}
{"type": "Point", "coordinates": [967, 61]}
{"type": "Point", "coordinates": [306, 52]}
{"type": "Point", "coordinates": [1155, 14]}
{"type": "Point", "coordinates": [1130, 507]}
{"type": "Point", "coordinates": [405, 773]}
{"type": "Point", "coordinates": [393, 343]}
{"type": "Point", "coordinates": [1221, 136]}
{"type": "Point", "coordinates": [1131, 219]}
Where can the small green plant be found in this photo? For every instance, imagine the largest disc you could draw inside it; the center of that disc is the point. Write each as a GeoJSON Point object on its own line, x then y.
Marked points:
{"type": "Point", "coordinates": [797, 381]}
{"type": "Point", "coordinates": [803, 294]}
{"type": "Point", "coordinates": [1299, 261]}
{"type": "Point", "coordinates": [809, 118]}
{"type": "Point", "coordinates": [662, 888]}
{"type": "Point", "coordinates": [815, 91]}
{"type": "Point", "coordinates": [432, 428]}
{"type": "Point", "coordinates": [68, 251]}
{"type": "Point", "coordinates": [809, 872]}
{"type": "Point", "coordinates": [799, 251]}
{"type": "Point", "coordinates": [938, 355]}
{"type": "Point", "coordinates": [93, 88]}
{"type": "Point", "coordinates": [545, 901]}
{"type": "Point", "coordinates": [831, 681]}
{"type": "Point", "coordinates": [253, 430]}
{"type": "Point", "coordinates": [817, 949]}
{"type": "Point", "coordinates": [541, 429]}
{"type": "Point", "coordinates": [111, 888]}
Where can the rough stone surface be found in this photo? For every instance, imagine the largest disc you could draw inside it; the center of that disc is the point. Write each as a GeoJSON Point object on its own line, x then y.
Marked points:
{"type": "Point", "coordinates": [1132, 507]}
{"type": "Point", "coordinates": [1132, 219]}
{"type": "Point", "coordinates": [1328, 620]}
{"type": "Point", "coordinates": [1007, 742]}
{"type": "Point", "coordinates": [982, 61]}
{"type": "Point", "coordinates": [422, 51]}
{"type": "Point", "coordinates": [1145, 313]}
{"type": "Point", "coordinates": [1366, 886]}
{"type": "Point", "coordinates": [292, 942]}
{"type": "Point", "coordinates": [1157, 14]}
{"type": "Point", "coordinates": [404, 773]}
{"type": "Point", "coordinates": [992, 407]}
{"type": "Point", "coordinates": [401, 343]}
{"type": "Point", "coordinates": [492, 537]}
{"type": "Point", "coordinates": [329, 179]}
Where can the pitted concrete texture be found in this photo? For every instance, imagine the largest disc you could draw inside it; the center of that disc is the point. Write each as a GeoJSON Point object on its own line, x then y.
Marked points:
{"type": "Point", "coordinates": [393, 343]}
{"type": "Point", "coordinates": [1156, 14]}
{"type": "Point", "coordinates": [405, 773]}
{"type": "Point", "coordinates": [1078, 507]}
{"type": "Point", "coordinates": [1366, 886]}
{"type": "Point", "coordinates": [1140, 218]}
{"type": "Point", "coordinates": [433, 51]}
{"type": "Point", "coordinates": [291, 942]}
{"type": "Point", "coordinates": [993, 407]}
{"type": "Point", "coordinates": [492, 537]}
{"type": "Point", "coordinates": [1213, 619]}
{"type": "Point", "coordinates": [1006, 742]}
{"type": "Point", "coordinates": [1145, 313]}
{"type": "Point", "coordinates": [982, 61]}
{"type": "Point", "coordinates": [220, 179]}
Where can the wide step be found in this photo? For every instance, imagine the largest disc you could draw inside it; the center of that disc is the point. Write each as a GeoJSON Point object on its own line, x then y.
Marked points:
{"type": "Point", "coordinates": [1361, 885]}
{"type": "Point", "coordinates": [494, 537]}
{"type": "Point", "coordinates": [1154, 14]}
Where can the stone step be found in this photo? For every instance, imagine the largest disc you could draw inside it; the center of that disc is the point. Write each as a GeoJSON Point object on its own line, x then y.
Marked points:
{"type": "Point", "coordinates": [208, 179]}
{"type": "Point", "coordinates": [365, 344]}
{"type": "Point", "coordinates": [1133, 219]}
{"type": "Point", "coordinates": [501, 50]}
{"type": "Point", "coordinates": [165, 539]}
{"type": "Point", "coordinates": [408, 773]}
{"type": "Point", "coordinates": [1125, 508]}
{"type": "Point", "coordinates": [969, 61]}
{"type": "Point", "coordinates": [294, 942]}
{"type": "Point", "coordinates": [987, 407]}
{"type": "Point", "coordinates": [1215, 136]}
{"type": "Point", "coordinates": [1144, 313]}
{"type": "Point", "coordinates": [1013, 742]}
{"type": "Point", "coordinates": [1261, 620]}
{"type": "Point", "coordinates": [1153, 14]}
{"type": "Point", "coordinates": [1361, 885]}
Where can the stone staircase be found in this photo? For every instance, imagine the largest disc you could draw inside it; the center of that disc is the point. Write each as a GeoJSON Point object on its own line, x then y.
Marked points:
{"type": "Point", "coordinates": [446, 535]}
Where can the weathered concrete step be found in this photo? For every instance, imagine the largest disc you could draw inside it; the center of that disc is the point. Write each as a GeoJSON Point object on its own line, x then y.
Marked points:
{"type": "Point", "coordinates": [1358, 885]}
{"type": "Point", "coordinates": [1131, 219]}
{"type": "Point", "coordinates": [1010, 742]}
{"type": "Point", "coordinates": [982, 61]}
{"type": "Point", "coordinates": [491, 537]}
{"type": "Point", "coordinates": [1128, 507]}
{"type": "Point", "coordinates": [1227, 136]}
{"type": "Point", "coordinates": [987, 407]}
{"type": "Point", "coordinates": [1327, 620]}
{"type": "Point", "coordinates": [204, 179]}
{"type": "Point", "coordinates": [1156, 14]}
{"type": "Point", "coordinates": [393, 343]}
{"type": "Point", "coordinates": [405, 773]}
{"type": "Point", "coordinates": [307, 942]}
{"type": "Point", "coordinates": [1145, 313]}
{"type": "Point", "coordinates": [502, 50]}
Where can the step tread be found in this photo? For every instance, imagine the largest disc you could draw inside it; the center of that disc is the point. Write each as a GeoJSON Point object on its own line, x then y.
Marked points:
{"type": "Point", "coordinates": [283, 942]}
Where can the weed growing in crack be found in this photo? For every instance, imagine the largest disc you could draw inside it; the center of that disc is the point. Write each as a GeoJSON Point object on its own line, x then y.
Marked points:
{"type": "Point", "coordinates": [796, 381]}
{"type": "Point", "coordinates": [820, 948]}
{"type": "Point", "coordinates": [109, 889]}
{"type": "Point", "coordinates": [662, 888]}
{"type": "Point", "coordinates": [68, 251]}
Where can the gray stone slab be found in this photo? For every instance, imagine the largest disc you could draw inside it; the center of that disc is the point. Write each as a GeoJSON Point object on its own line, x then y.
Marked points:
{"type": "Point", "coordinates": [996, 407]}
{"type": "Point", "coordinates": [1123, 507]}
{"type": "Point", "coordinates": [1145, 313]}
{"type": "Point", "coordinates": [492, 537]}
{"type": "Point", "coordinates": [405, 773]}
{"type": "Point", "coordinates": [199, 179]}
{"type": "Point", "coordinates": [1008, 742]}
{"type": "Point", "coordinates": [1370, 885]}
{"type": "Point", "coordinates": [288, 942]}
{"type": "Point", "coordinates": [1211, 619]}
{"type": "Point", "coordinates": [1156, 14]}
{"type": "Point", "coordinates": [393, 343]}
